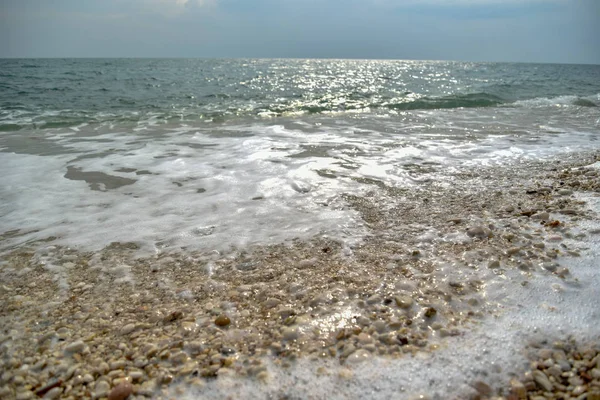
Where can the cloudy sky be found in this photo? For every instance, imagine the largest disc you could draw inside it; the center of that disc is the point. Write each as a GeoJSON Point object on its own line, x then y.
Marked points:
{"type": "Point", "coordinates": [566, 31]}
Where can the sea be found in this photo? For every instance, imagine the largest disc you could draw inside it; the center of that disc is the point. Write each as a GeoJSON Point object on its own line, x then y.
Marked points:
{"type": "Point", "coordinates": [225, 153]}
{"type": "Point", "coordinates": [218, 156]}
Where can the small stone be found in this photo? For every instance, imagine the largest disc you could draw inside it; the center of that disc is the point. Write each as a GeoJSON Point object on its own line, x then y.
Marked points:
{"type": "Point", "coordinates": [289, 334]}
{"type": "Point", "coordinates": [483, 388]}
{"type": "Point", "coordinates": [430, 312]}
{"type": "Point", "coordinates": [26, 395]}
{"type": "Point", "coordinates": [358, 356]}
{"type": "Point", "coordinates": [479, 232]}
{"type": "Point", "coordinates": [374, 299]}
{"type": "Point", "coordinates": [380, 326]}
{"type": "Point", "coordinates": [136, 375]}
{"type": "Point", "coordinates": [542, 380]}
{"type": "Point", "coordinates": [172, 316]}
{"type": "Point", "coordinates": [179, 358]}
{"type": "Point", "coordinates": [121, 391]}
{"type": "Point", "coordinates": [307, 263]}
{"type": "Point", "coordinates": [262, 376]}
{"type": "Point", "coordinates": [403, 301]}
{"type": "Point", "coordinates": [565, 192]}
{"type": "Point", "coordinates": [542, 216]}
{"type": "Point", "coordinates": [54, 393]}
{"type": "Point", "coordinates": [101, 389]}
{"type": "Point", "coordinates": [493, 264]}
{"type": "Point", "coordinates": [345, 374]}
{"type": "Point", "coordinates": [549, 266]}
{"type": "Point", "coordinates": [365, 338]}
{"type": "Point", "coordinates": [518, 389]}
{"type": "Point", "coordinates": [222, 320]}
{"type": "Point", "coordinates": [151, 351]}
{"type": "Point", "coordinates": [147, 388]}
{"type": "Point", "coordinates": [554, 371]}
{"type": "Point", "coordinates": [75, 347]}
{"type": "Point", "coordinates": [513, 250]}
{"type": "Point", "coordinates": [115, 365]}
{"type": "Point", "coordinates": [127, 329]}
{"type": "Point", "coordinates": [271, 303]}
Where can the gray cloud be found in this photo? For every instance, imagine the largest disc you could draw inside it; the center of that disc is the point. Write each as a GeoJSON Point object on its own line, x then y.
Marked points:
{"type": "Point", "coordinates": [494, 30]}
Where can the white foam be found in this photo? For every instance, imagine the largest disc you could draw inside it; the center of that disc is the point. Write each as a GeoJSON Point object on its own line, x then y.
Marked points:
{"type": "Point", "coordinates": [559, 101]}
{"type": "Point", "coordinates": [216, 187]}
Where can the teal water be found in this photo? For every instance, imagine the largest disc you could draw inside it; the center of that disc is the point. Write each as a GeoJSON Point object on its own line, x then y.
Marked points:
{"type": "Point", "coordinates": [49, 93]}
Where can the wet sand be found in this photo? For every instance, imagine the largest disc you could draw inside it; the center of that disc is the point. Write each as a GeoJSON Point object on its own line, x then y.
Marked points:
{"type": "Point", "coordinates": [79, 324]}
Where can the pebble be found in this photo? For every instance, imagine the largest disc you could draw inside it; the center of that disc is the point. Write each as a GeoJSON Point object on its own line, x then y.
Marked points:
{"type": "Point", "coordinates": [479, 232]}
{"type": "Point", "coordinates": [116, 365]}
{"type": "Point", "coordinates": [430, 312]}
{"type": "Point", "coordinates": [121, 391]}
{"type": "Point", "coordinates": [289, 334]}
{"type": "Point", "coordinates": [179, 358]}
{"type": "Point", "coordinates": [54, 393]}
{"type": "Point", "coordinates": [147, 388]}
{"type": "Point", "coordinates": [75, 347]}
{"type": "Point", "coordinates": [513, 250]}
{"type": "Point", "coordinates": [358, 356]}
{"type": "Point", "coordinates": [222, 320]}
{"type": "Point", "coordinates": [101, 389]}
{"type": "Point", "coordinates": [542, 380]}
{"type": "Point", "coordinates": [542, 216]}
{"type": "Point", "coordinates": [518, 389]}
{"type": "Point", "coordinates": [136, 375]}
{"type": "Point", "coordinates": [483, 388]}
{"type": "Point", "coordinates": [26, 395]}
{"type": "Point", "coordinates": [403, 301]}
{"type": "Point", "coordinates": [380, 326]}
{"type": "Point", "coordinates": [365, 338]}
{"type": "Point", "coordinates": [127, 329]}
{"type": "Point", "coordinates": [271, 303]}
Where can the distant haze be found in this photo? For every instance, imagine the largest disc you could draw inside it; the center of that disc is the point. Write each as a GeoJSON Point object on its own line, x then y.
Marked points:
{"type": "Point", "coordinates": [556, 31]}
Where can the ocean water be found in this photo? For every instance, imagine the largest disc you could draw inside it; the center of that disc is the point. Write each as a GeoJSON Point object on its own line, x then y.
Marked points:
{"type": "Point", "coordinates": [209, 158]}
{"type": "Point", "coordinates": [218, 154]}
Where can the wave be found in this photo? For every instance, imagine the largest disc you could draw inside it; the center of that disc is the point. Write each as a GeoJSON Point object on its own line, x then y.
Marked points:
{"type": "Point", "coordinates": [127, 111]}
{"type": "Point", "coordinates": [470, 100]}
{"type": "Point", "coordinates": [568, 100]}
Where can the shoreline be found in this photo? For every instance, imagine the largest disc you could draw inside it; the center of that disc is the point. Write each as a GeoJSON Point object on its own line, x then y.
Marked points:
{"type": "Point", "coordinates": [431, 274]}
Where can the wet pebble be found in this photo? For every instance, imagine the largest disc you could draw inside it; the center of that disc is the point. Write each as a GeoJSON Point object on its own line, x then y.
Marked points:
{"type": "Point", "coordinates": [479, 232]}
{"type": "Point", "coordinates": [358, 356]}
{"type": "Point", "coordinates": [403, 301]}
{"type": "Point", "coordinates": [542, 380]}
{"type": "Point", "coordinates": [222, 320]}
{"type": "Point", "coordinates": [289, 334]}
{"type": "Point", "coordinates": [121, 391]}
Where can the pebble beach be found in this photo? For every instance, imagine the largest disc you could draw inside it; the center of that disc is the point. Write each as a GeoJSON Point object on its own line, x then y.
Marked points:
{"type": "Point", "coordinates": [316, 318]}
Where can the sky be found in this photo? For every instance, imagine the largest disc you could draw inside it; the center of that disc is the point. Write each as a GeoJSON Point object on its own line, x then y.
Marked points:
{"type": "Point", "coordinates": [555, 31]}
